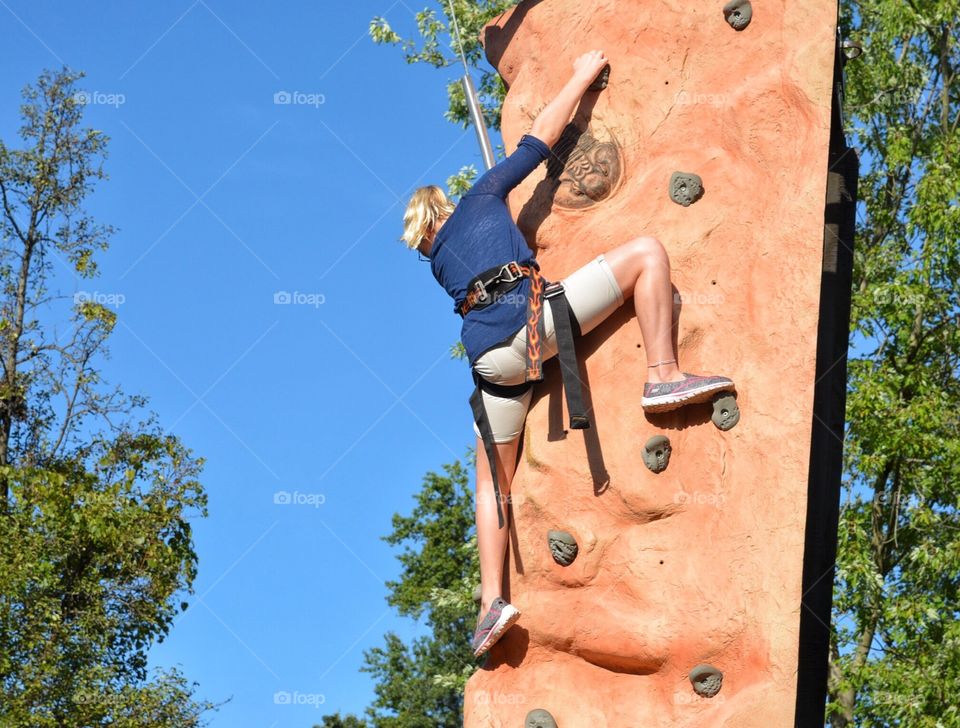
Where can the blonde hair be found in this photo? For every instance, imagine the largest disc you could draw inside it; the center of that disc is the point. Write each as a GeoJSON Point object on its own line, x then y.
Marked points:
{"type": "Point", "coordinates": [427, 206]}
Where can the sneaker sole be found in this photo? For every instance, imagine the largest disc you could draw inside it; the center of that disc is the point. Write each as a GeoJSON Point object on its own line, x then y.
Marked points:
{"type": "Point", "coordinates": [508, 616]}
{"type": "Point", "coordinates": [661, 405]}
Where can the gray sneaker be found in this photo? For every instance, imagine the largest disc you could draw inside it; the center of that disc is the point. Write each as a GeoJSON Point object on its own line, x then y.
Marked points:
{"type": "Point", "coordinates": [665, 396]}
{"type": "Point", "coordinates": [494, 623]}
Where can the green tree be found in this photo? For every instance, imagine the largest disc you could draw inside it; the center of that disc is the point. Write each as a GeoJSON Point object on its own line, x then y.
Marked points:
{"type": "Point", "coordinates": [95, 541]}
{"type": "Point", "coordinates": [437, 47]}
{"type": "Point", "coordinates": [421, 685]}
{"type": "Point", "coordinates": [896, 647]}
{"type": "Point", "coordinates": [335, 721]}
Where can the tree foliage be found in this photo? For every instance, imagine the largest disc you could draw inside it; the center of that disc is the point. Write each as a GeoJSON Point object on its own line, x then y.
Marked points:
{"type": "Point", "coordinates": [95, 539]}
{"type": "Point", "coordinates": [420, 685]}
{"type": "Point", "coordinates": [437, 46]}
{"type": "Point", "coordinates": [896, 649]}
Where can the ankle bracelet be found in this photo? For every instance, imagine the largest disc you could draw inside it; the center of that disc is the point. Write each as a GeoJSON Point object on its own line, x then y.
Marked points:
{"type": "Point", "coordinates": [665, 361]}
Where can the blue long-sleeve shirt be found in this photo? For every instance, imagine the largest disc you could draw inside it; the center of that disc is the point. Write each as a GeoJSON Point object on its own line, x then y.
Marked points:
{"type": "Point", "coordinates": [481, 234]}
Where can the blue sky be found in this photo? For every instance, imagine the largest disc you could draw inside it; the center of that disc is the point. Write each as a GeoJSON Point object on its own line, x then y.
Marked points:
{"type": "Point", "coordinates": [226, 203]}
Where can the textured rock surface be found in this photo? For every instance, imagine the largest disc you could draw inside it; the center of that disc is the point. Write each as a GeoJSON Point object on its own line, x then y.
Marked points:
{"type": "Point", "coordinates": [701, 563]}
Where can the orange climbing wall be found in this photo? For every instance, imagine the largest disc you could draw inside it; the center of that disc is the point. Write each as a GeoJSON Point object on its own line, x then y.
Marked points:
{"type": "Point", "coordinates": [700, 563]}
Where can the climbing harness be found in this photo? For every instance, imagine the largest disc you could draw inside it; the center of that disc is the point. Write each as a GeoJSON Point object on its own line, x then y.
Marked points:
{"type": "Point", "coordinates": [483, 290]}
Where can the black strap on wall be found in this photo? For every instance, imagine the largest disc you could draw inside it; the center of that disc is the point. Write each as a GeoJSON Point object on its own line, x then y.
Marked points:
{"type": "Point", "coordinates": [567, 354]}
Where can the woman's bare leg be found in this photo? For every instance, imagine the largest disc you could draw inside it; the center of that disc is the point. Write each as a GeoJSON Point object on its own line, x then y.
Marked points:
{"type": "Point", "coordinates": [491, 540]}
{"type": "Point", "coordinates": [642, 269]}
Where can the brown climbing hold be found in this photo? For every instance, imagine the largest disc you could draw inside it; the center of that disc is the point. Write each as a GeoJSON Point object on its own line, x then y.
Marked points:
{"type": "Point", "coordinates": [726, 413]}
{"type": "Point", "coordinates": [584, 167]}
{"type": "Point", "coordinates": [539, 718]}
{"type": "Point", "coordinates": [738, 13]}
{"type": "Point", "coordinates": [600, 82]}
{"type": "Point", "coordinates": [706, 680]}
{"type": "Point", "coordinates": [563, 546]}
{"type": "Point", "coordinates": [685, 188]}
{"type": "Point", "coordinates": [656, 453]}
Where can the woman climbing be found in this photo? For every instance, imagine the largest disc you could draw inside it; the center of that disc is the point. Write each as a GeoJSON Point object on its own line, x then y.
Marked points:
{"type": "Point", "coordinates": [478, 236]}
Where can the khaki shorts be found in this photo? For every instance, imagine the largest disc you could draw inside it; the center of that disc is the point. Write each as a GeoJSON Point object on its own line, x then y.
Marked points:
{"type": "Point", "coordinates": [593, 294]}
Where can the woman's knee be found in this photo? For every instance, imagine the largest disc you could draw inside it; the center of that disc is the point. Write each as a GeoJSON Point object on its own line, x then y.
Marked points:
{"type": "Point", "coordinates": [506, 455]}
{"type": "Point", "coordinates": [629, 260]}
{"type": "Point", "coordinates": [648, 251]}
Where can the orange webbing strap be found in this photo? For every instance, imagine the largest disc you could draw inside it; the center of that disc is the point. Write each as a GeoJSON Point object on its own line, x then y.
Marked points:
{"type": "Point", "coordinates": [535, 332]}
{"type": "Point", "coordinates": [566, 351]}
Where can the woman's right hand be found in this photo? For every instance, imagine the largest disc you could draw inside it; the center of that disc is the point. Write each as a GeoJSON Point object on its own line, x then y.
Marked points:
{"type": "Point", "coordinates": [588, 66]}
{"type": "Point", "coordinates": [551, 121]}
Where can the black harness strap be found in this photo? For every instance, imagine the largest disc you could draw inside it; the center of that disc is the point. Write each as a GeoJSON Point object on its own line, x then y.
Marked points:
{"type": "Point", "coordinates": [483, 424]}
{"type": "Point", "coordinates": [567, 354]}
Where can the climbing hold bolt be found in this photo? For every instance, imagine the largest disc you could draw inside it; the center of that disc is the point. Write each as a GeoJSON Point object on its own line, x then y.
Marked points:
{"type": "Point", "coordinates": [685, 188]}
{"type": "Point", "coordinates": [600, 82]}
{"type": "Point", "coordinates": [738, 13]}
{"type": "Point", "coordinates": [706, 680]}
{"type": "Point", "coordinates": [539, 718]}
{"type": "Point", "coordinates": [656, 453]}
{"type": "Point", "coordinates": [563, 546]}
{"type": "Point", "coordinates": [726, 414]}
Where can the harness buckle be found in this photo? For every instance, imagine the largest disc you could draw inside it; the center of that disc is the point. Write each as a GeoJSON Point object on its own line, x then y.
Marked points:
{"type": "Point", "coordinates": [553, 289]}
{"type": "Point", "coordinates": [511, 272]}
{"type": "Point", "coordinates": [482, 296]}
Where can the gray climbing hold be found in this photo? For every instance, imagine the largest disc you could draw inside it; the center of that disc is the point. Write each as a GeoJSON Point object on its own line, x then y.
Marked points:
{"type": "Point", "coordinates": [706, 680]}
{"type": "Point", "coordinates": [685, 188]}
{"type": "Point", "coordinates": [726, 414]}
{"type": "Point", "coordinates": [539, 718]}
{"type": "Point", "coordinates": [600, 82]}
{"type": "Point", "coordinates": [563, 546]}
{"type": "Point", "coordinates": [738, 13]}
{"type": "Point", "coordinates": [656, 453]}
